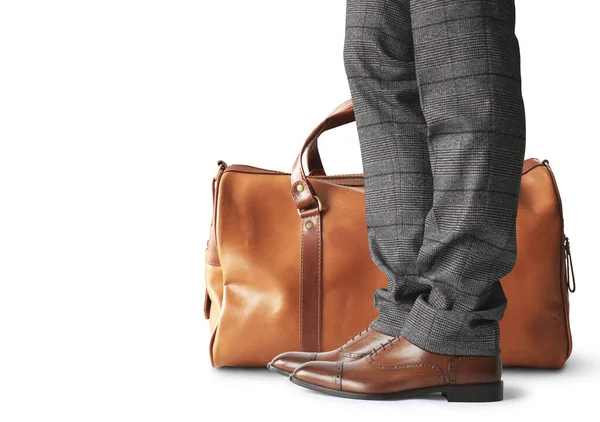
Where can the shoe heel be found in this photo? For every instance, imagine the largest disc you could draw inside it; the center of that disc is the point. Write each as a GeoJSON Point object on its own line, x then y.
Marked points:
{"type": "Point", "coordinates": [475, 393]}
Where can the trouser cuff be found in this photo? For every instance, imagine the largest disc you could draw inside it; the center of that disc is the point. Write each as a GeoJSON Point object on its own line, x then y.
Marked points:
{"type": "Point", "coordinates": [391, 318]}
{"type": "Point", "coordinates": [450, 332]}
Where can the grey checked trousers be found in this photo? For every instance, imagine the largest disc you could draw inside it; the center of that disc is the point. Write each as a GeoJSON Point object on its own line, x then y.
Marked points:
{"type": "Point", "coordinates": [441, 123]}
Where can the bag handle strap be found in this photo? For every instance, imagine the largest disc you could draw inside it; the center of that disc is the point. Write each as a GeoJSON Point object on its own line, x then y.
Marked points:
{"type": "Point", "coordinates": [342, 115]}
{"type": "Point", "coordinates": [302, 192]}
{"type": "Point", "coordinates": [309, 209]}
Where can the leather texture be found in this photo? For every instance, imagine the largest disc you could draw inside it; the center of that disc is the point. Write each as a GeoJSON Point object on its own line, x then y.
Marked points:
{"type": "Point", "coordinates": [357, 347]}
{"type": "Point", "coordinates": [400, 366]}
{"type": "Point", "coordinates": [275, 285]}
{"type": "Point", "coordinates": [535, 331]}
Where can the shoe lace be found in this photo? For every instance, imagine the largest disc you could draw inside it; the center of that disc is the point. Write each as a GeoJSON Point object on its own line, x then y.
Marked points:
{"type": "Point", "coordinates": [359, 334]}
{"type": "Point", "coordinates": [383, 345]}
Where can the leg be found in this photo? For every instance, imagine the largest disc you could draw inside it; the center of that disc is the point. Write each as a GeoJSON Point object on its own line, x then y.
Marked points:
{"type": "Point", "coordinates": [467, 63]}
{"type": "Point", "coordinates": [467, 68]}
{"type": "Point", "coordinates": [379, 61]}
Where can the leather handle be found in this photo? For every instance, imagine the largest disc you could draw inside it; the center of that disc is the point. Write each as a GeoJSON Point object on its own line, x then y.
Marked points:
{"type": "Point", "coordinates": [343, 114]}
{"type": "Point", "coordinates": [309, 208]}
{"type": "Point", "coordinates": [304, 197]}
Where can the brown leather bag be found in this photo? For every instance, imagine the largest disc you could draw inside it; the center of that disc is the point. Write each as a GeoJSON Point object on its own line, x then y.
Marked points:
{"type": "Point", "coordinates": [288, 264]}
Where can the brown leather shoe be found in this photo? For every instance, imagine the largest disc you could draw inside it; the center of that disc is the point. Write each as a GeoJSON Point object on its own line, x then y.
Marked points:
{"type": "Point", "coordinates": [400, 369]}
{"type": "Point", "coordinates": [357, 347]}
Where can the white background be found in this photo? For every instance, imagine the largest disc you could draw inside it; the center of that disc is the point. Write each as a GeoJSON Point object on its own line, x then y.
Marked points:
{"type": "Point", "coordinates": [113, 115]}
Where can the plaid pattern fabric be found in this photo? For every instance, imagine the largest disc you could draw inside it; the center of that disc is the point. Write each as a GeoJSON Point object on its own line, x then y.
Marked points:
{"type": "Point", "coordinates": [441, 123]}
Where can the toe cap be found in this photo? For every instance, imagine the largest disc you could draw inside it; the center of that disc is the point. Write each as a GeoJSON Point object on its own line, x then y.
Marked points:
{"type": "Point", "coordinates": [323, 374]}
{"type": "Point", "coordinates": [289, 361]}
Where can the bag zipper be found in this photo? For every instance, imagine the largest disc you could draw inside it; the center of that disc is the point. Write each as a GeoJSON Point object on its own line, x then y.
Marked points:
{"type": "Point", "coordinates": [570, 271]}
{"type": "Point", "coordinates": [242, 168]}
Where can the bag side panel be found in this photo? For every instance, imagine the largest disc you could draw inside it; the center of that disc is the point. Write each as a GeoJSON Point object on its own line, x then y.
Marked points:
{"type": "Point", "coordinates": [532, 332]}
{"type": "Point", "coordinates": [213, 273]}
{"type": "Point", "coordinates": [563, 284]}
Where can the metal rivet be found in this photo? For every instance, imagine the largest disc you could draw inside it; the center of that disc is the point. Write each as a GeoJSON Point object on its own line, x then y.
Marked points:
{"type": "Point", "coordinates": [310, 225]}
{"type": "Point", "coordinates": [300, 188]}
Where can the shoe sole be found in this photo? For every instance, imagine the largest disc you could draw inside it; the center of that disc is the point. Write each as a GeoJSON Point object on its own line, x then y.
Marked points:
{"type": "Point", "coordinates": [474, 393]}
{"type": "Point", "coordinates": [278, 371]}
